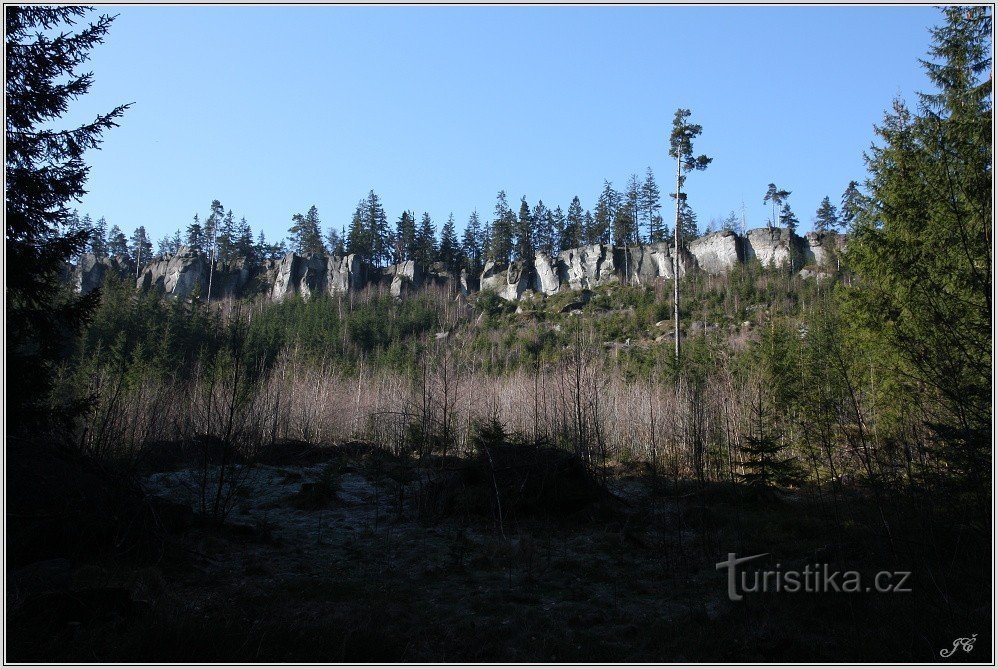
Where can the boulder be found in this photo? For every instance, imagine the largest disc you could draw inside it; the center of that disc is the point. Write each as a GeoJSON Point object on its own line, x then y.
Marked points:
{"type": "Point", "coordinates": [819, 247]}
{"type": "Point", "coordinates": [343, 274]}
{"type": "Point", "coordinates": [406, 276]}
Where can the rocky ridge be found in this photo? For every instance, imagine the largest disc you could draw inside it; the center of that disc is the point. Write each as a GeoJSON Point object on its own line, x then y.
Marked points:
{"type": "Point", "coordinates": [186, 273]}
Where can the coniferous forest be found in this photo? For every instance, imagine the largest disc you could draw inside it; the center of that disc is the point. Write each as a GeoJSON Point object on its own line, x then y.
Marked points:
{"type": "Point", "coordinates": [449, 458]}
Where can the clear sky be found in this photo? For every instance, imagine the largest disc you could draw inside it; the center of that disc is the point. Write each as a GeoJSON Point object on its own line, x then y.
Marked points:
{"type": "Point", "coordinates": [273, 109]}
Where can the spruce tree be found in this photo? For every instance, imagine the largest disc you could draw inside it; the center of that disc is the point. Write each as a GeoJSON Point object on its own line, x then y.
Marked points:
{"type": "Point", "coordinates": [376, 222]}
{"type": "Point", "coordinates": [826, 218]}
{"type": "Point", "coordinates": [140, 247]}
{"type": "Point", "coordinates": [788, 219]}
{"type": "Point", "coordinates": [503, 226]}
{"type": "Point", "coordinates": [606, 212]}
{"type": "Point", "coordinates": [44, 171]}
{"type": "Point", "coordinates": [650, 203]}
{"type": "Point", "coordinates": [334, 245]}
{"type": "Point", "coordinates": [524, 232]}
{"type": "Point", "coordinates": [450, 249]}
{"type": "Point", "coordinates": [226, 238]}
{"type": "Point", "coordinates": [245, 248]}
{"type": "Point", "coordinates": [358, 237]}
{"type": "Point", "coordinates": [852, 204]}
{"type": "Point", "coordinates": [117, 243]}
{"type": "Point", "coordinates": [557, 227]}
{"type": "Point", "coordinates": [98, 240]}
{"type": "Point", "coordinates": [175, 242]}
{"type": "Point", "coordinates": [306, 233]}
{"type": "Point", "coordinates": [544, 239]}
{"type": "Point", "coordinates": [921, 248]}
{"type": "Point", "coordinates": [426, 242]}
{"type": "Point", "coordinates": [195, 236]}
{"type": "Point", "coordinates": [572, 234]}
{"type": "Point", "coordinates": [405, 237]}
{"type": "Point", "coordinates": [765, 458]}
{"type": "Point", "coordinates": [472, 244]}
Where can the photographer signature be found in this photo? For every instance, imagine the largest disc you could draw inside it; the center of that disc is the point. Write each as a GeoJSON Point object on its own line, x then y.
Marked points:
{"type": "Point", "coordinates": [966, 643]}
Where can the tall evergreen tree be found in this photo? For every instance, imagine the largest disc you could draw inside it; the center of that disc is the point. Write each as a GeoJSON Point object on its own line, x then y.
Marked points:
{"type": "Point", "coordinates": [852, 204]}
{"type": "Point", "coordinates": [227, 237]}
{"type": "Point", "coordinates": [922, 250]}
{"type": "Point", "coordinates": [650, 202]}
{"type": "Point", "coordinates": [140, 247]}
{"type": "Point", "coordinates": [212, 226]}
{"type": "Point", "coordinates": [681, 148]}
{"type": "Point", "coordinates": [544, 234]}
{"type": "Point", "coordinates": [358, 237]}
{"type": "Point", "coordinates": [195, 236]}
{"type": "Point", "coordinates": [117, 243]}
{"type": "Point", "coordinates": [405, 237]}
{"type": "Point", "coordinates": [450, 249]}
{"type": "Point", "coordinates": [98, 240]}
{"type": "Point", "coordinates": [472, 244]}
{"type": "Point", "coordinates": [788, 219]}
{"type": "Point", "coordinates": [606, 211]}
{"type": "Point", "coordinates": [557, 229]}
{"type": "Point", "coordinates": [826, 218]}
{"type": "Point", "coordinates": [306, 233]}
{"type": "Point", "coordinates": [334, 245]}
{"type": "Point", "coordinates": [689, 228]}
{"type": "Point", "coordinates": [376, 222]}
{"type": "Point", "coordinates": [44, 171]}
{"type": "Point", "coordinates": [503, 227]}
{"type": "Point", "coordinates": [524, 232]}
{"type": "Point", "coordinates": [245, 248]}
{"type": "Point", "coordinates": [572, 235]}
{"type": "Point", "coordinates": [426, 241]}
{"type": "Point", "coordinates": [777, 197]}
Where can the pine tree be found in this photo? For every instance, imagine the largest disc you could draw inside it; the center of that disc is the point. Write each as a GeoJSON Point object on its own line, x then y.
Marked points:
{"type": "Point", "coordinates": [524, 232]}
{"type": "Point", "coordinates": [826, 217]}
{"type": "Point", "coordinates": [195, 236]}
{"type": "Point", "coordinates": [788, 219]}
{"type": "Point", "coordinates": [450, 248]}
{"type": "Point", "coordinates": [472, 244]}
{"type": "Point", "coordinates": [777, 197]}
{"type": "Point", "coordinates": [730, 222]}
{"type": "Point", "coordinates": [650, 203]}
{"type": "Point", "coordinates": [163, 246]}
{"type": "Point", "coordinates": [426, 242]}
{"type": "Point", "coordinates": [44, 172]}
{"type": "Point", "coordinates": [573, 232]}
{"type": "Point", "coordinates": [245, 248]}
{"type": "Point", "coordinates": [681, 148]}
{"type": "Point", "coordinates": [589, 229]}
{"type": "Point", "coordinates": [503, 225]}
{"type": "Point", "coordinates": [306, 233]}
{"type": "Point", "coordinates": [175, 242]}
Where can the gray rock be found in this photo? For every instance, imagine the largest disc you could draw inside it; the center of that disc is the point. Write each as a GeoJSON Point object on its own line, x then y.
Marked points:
{"type": "Point", "coordinates": [89, 275]}
{"type": "Point", "coordinates": [177, 276]}
{"type": "Point", "coordinates": [718, 252]}
{"type": "Point", "coordinates": [546, 274]}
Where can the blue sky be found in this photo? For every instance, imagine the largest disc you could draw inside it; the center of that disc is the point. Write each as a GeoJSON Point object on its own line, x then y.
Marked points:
{"type": "Point", "coordinates": [273, 109]}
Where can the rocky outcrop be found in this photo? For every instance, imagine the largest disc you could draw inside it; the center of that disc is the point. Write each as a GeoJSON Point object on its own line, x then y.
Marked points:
{"type": "Point", "coordinates": [178, 275]}
{"type": "Point", "coordinates": [820, 248]}
{"type": "Point", "coordinates": [583, 268]}
{"type": "Point", "coordinates": [90, 274]}
{"type": "Point", "coordinates": [508, 281]}
{"type": "Point", "coordinates": [718, 252]}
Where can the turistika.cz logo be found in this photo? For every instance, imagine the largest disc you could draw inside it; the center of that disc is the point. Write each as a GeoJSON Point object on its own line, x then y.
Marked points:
{"type": "Point", "coordinates": [811, 579]}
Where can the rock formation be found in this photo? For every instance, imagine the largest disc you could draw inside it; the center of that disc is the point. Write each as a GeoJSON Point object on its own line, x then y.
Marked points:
{"type": "Point", "coordinates": [583, 268]}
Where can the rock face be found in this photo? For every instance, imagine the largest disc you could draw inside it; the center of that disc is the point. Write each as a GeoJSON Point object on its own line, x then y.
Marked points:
{"type": "Point", "coordinates": [819, 246]}
{"type": "Point", "coordinates": [773, 246]}
{"type": "Point", "coordinates": [718, 252]}
{"type": "Point", "coordinates": [176, 275]}
{"type": "Point", "coordinates": [583, 268]}
{"type": "Point", "coordinates": [89, 275]}
{"type": "Point", "coordinates": [509, 282]}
